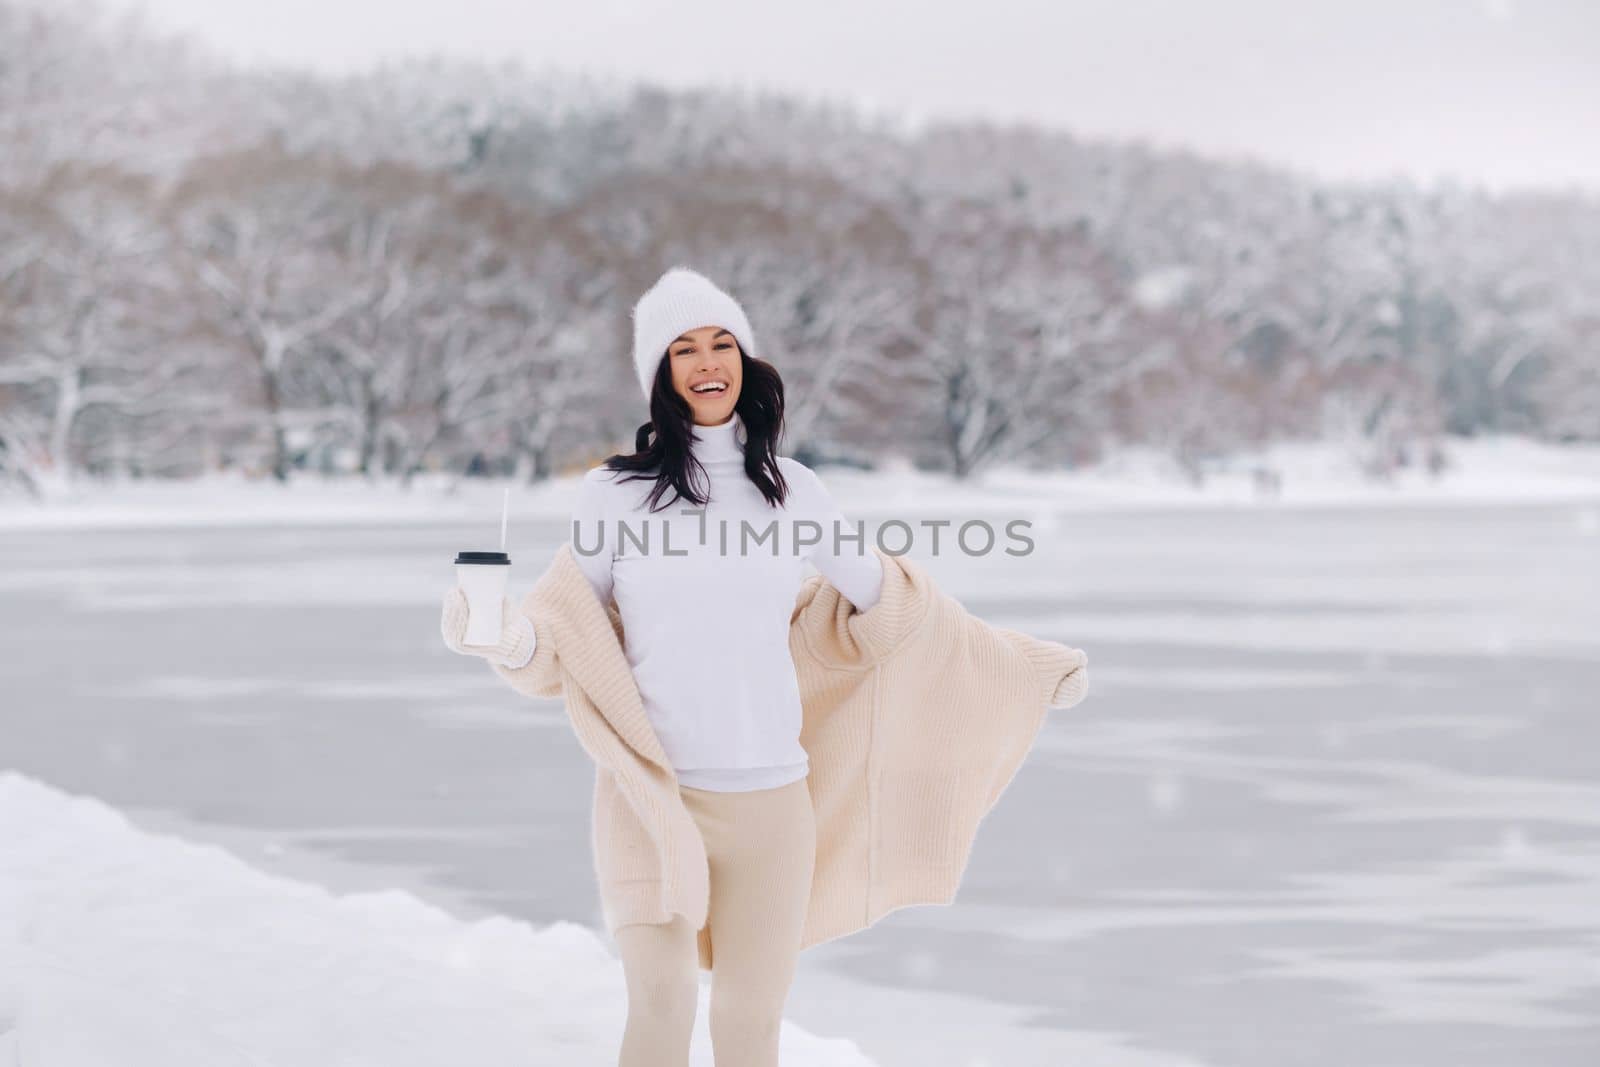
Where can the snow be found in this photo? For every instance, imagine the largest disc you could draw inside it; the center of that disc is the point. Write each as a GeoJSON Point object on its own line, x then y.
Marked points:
{"type": "Point", "coordinates": [1338, 768]}
{"type": "Point", "coordinates": [1163, 287]}
{"type": "Point", "coordinates": [140, 949]}
{"type": "Point", "coordinates": [1487, 470]}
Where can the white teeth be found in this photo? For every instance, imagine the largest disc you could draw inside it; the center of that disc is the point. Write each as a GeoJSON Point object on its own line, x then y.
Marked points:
{"type": "Point", "coordinates": [715, 387]}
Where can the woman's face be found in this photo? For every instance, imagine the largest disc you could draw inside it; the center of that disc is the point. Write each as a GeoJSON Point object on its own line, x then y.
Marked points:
{"type": "Point", "coordinates": [702, 357]}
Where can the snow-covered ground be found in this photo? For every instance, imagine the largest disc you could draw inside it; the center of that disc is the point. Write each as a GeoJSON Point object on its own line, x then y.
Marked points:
{"type": "Point", "coordinates": [1332, 798]}
{"type": "Point", "coordinates": [136, 949]}
{"type": "Point", "coordinates": [1484, 470]}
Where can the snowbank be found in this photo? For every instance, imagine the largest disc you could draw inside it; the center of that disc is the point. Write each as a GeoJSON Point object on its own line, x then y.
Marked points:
{"type": "Point", "coordinates": [133, 949]}
{"type": "Point", "coordinates": [1487, 470]}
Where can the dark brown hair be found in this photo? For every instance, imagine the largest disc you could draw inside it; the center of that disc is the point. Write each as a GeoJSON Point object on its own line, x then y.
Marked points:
{"type": "Point", "coordinates": [662, 446]}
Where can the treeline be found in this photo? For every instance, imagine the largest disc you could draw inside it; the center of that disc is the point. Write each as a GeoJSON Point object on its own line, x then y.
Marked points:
{"type": "Point", "coordinates": [430, 267]}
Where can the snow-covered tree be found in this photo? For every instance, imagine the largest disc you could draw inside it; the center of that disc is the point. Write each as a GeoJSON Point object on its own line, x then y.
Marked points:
{"type": "Point", "coordinates": [254, 238]}
{"type": "Point", "coordinates": [90, 287]}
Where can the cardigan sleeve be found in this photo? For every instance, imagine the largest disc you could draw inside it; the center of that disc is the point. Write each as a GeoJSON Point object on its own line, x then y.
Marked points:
{"type": "Point", "coordinates": [541, 675]}
{"type": "Point", "coordinates": [1062, 671]}
{"type": "Point", "coordinates": [839, 635]}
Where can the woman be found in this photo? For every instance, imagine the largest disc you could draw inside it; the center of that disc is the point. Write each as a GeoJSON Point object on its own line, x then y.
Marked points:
{"type": "Point", "coordinates": [699, 538]}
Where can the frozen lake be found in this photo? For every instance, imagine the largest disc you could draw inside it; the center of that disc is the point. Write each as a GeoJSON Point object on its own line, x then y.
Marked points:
{"type": "Point", "coordinates": [1334, 797]}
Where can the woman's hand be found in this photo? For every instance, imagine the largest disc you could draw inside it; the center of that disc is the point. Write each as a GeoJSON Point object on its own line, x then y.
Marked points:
{"type": "Point", "coordinates": [517, 641]}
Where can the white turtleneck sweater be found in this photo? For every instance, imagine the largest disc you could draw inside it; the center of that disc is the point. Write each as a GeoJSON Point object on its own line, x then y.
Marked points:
{"type": "Point", "coordinates": [706, 622]}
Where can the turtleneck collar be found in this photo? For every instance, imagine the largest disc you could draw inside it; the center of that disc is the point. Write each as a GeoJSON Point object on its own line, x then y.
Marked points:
{"type": "Point", "coordinates": [721, 443]}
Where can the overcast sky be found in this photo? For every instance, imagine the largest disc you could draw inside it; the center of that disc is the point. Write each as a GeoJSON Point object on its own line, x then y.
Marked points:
{"type": "Point", "coordinates": [1502, 92]}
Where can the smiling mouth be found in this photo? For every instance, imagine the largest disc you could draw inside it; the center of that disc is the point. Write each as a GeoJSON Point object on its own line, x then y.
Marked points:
{"type": "Point", "coordinates": [710, 388]}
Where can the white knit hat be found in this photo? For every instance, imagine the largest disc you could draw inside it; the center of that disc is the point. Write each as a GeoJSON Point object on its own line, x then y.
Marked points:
{"type": "Point", "coordinates": [682, 299]}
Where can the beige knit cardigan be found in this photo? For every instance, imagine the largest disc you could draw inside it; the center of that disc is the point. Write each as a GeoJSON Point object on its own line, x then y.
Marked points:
{"type": "Point", "coordinates": [916, 715]}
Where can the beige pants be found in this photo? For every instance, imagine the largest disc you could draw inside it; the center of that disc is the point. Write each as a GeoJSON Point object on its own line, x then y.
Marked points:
{"type": "Point", "coordinates": [762, 847]}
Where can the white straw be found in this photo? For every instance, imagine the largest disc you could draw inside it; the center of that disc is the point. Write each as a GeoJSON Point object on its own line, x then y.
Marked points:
{"type": "Point", "coordinates": [505, 506]}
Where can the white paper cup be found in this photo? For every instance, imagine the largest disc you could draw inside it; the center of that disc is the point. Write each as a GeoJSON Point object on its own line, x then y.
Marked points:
{"type": "Point", "coordinates": [484, 577]}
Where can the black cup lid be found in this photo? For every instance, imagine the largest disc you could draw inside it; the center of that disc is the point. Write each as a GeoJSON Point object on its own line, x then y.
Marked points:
{"type": "Point", "coordinates": [482, 557]}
